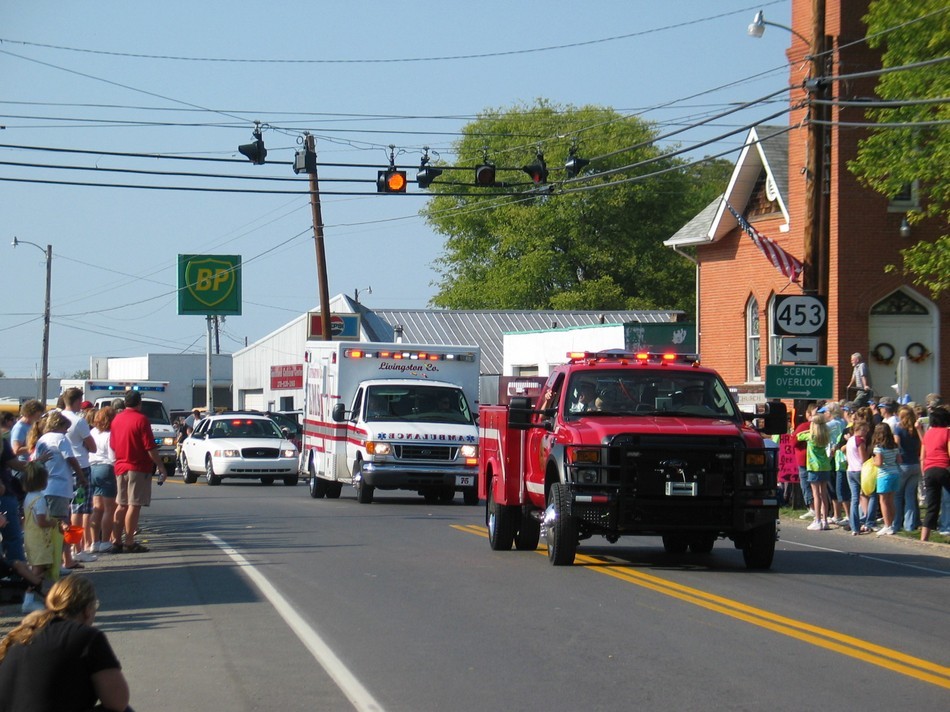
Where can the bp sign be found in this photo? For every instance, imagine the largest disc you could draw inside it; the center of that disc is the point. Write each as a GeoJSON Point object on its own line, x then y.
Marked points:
{"type": "Point", "coordinates": [811, 382]}
{"type": "Point", "coordinates": [209, 285]}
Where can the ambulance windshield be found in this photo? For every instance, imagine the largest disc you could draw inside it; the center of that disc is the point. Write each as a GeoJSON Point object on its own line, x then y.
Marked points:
{"type": "Point", "coordinates": [420, 404]}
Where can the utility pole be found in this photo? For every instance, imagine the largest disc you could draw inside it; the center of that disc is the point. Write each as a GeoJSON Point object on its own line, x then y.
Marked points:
{"type": "Point", "coordinates": [44, 378]}
{"type": "Point", "coordinates": [815, 277]}
{"type": "Point", "coordinates": [310, 149]}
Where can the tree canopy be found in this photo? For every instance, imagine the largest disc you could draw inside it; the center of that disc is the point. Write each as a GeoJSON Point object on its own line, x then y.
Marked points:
{"type": "Point", "coordinates": [918, 151]}
{"type": "Point", "coordinates": [584, 244]}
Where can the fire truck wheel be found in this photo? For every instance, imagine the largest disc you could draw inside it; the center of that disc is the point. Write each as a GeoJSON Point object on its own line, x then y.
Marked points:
{"type": "Point", "coordinates": [364, 492]}
{"type": "Point", "coordinates": [213, 479]}
{"type": "Point", "coordinates": [501, 525]}
{"type": "Point", "coordinates": [186, 474]}
{"type": "Point", "coordinates": [702, 544]}
{"type": "Point", "coordinates": [675, 543]}
{"type": "Point", "coordinates": [529, 532]}
{"type": "Point", "coordinates": [334, 489]}
{"type": "Point", "coordinates": [759, 548]}
{"type": "Point", "coordinates": [560, 527]}
{"type": "Point", "coordinates": [470, 497]}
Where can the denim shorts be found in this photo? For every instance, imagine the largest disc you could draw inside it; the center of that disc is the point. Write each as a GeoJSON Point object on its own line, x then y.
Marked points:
{"type": "Point", "coordinates": [888, 483]}
{"type": "Point", "coordinates": [103, 481]}
{"type": "Point", "coordinates": [818, 476]}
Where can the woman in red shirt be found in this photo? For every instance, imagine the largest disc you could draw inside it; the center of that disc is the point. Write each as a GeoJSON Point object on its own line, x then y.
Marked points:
{"type": "Point", "coordinates": [935, 462]}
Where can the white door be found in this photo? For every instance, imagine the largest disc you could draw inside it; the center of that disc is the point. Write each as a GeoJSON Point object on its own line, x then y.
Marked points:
{"type": "Point", "coordinates": [903, 324]}
{"type": "Point", "coordinates": [253, 400]}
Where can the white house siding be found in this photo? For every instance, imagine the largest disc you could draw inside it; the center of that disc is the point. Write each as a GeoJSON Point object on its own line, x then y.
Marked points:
{"type": "Point", "coordinates": [545, 349]}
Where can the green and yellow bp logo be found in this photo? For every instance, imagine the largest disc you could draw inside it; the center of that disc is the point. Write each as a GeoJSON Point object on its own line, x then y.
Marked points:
{"type": "Point", "coordinates": [209, 285]}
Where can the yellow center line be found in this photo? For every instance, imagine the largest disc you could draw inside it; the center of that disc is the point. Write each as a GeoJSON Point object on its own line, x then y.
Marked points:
{"type": "Point", "coordinates": [917, 668]}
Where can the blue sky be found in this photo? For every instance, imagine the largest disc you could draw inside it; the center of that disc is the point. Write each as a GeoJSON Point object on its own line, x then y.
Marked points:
{"type": "Point", "coordinates": [68, 79]}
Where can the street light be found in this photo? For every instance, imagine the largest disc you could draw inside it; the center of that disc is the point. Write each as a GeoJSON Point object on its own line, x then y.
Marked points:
{"type": "Point", "coordinates": [44, 381]}
{"type": "Point", "coordinates": [757, 28]}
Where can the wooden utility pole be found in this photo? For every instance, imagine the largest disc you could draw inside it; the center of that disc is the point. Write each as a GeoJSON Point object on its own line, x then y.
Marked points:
{"type": "Point", "coordinates": [310, 148]}
{"type": "Point", "coordinates": [815, 277]}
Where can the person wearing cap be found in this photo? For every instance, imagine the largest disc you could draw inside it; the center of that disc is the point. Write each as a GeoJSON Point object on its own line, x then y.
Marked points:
{"type": "Point", "coordinates": [586, 394]}
{"type": "Point", "coordinates": [80, 438]}
{"type": "Point", "coordinates": [888, 410]}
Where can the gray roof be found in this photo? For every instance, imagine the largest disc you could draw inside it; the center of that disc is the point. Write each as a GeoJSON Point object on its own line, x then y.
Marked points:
{"type": "Point", "coordinates": [486, 328]}
{"type": "Point", "coordinates": [697, 229]}
{"type": "Point", "coordinates": [775, 148]}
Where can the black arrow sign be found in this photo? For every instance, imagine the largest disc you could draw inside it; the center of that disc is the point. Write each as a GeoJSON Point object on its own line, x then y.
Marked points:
{"type": "Point", "coordinates": [796, 349]}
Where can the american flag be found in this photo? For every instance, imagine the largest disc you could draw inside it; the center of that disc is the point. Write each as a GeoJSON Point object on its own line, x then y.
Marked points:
{"type": "Point", "coordinates": [790, 266]}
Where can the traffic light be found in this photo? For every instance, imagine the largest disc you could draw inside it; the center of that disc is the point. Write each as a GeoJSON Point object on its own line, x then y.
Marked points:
{"type": "Point", "coordinates": [537, 170]}
{"type": "Point", "coordinates": [485, 174]}
{"type": "Point", "coordinates": [255, 152]}
{"type": "Point", "coordinates": [426, 175]}
{"type": "Point", "coordinates": [391, 181]}
{"type": "Point", "coordinates": [575, 165]}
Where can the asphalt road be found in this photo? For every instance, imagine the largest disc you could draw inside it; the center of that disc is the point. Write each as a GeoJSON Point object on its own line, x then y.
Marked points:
{"type": "Point", "coordinates": [258, 598]}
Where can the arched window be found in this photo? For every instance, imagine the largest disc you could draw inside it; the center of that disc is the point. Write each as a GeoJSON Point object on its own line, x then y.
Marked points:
{"type": "Point", "coordinates": [775, 340]}
{"type": "Point", "coordinates": [753, 347]}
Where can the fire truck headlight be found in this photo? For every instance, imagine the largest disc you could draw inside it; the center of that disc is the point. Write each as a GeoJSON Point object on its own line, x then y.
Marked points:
{"type": "Point", "coordinates": [754, 479]}
{"type": "Point", "coordinates": [469, 451]}
{"type": "Point", "coordinates": [376, 448]}
{"type": "Point", "coordinates": [588, 476]}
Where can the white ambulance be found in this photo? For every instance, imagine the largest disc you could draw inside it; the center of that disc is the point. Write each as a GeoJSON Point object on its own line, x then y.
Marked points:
{"type": "Point", "coordinates": [390, 416]}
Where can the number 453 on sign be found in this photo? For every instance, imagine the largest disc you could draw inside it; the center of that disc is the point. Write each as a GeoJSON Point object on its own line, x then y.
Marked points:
{"type": "Point", "coordinates": [800, 315]}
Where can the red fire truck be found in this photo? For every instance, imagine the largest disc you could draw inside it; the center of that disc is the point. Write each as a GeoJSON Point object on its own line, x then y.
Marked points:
{"type": "Point", "coordinates": [623, 443]}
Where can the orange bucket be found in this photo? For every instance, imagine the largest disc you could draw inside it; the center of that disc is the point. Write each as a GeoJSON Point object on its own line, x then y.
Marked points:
{"type": "Point", "coordinates": [73, 535]}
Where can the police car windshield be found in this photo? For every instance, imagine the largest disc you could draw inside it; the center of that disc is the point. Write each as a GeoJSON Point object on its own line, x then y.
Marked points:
{"type": "Point", "coordinates": [421, 404]}
{"type": "Point", "coordinates": [623, 392]}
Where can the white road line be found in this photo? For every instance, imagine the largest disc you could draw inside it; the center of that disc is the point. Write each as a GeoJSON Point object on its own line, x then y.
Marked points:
{"type": "Point", "coordinates": [351, 687]}
{"type": "Point", "coordinates": [867, 556]}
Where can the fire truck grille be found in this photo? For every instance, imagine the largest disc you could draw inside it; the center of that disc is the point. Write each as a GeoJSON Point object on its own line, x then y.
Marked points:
{"type": "Point", "coordinates": [441, 453]}
{"type": "Point", "coordinates": [693, 467]}
{"type": "Point", "coordinates": [260, 453]}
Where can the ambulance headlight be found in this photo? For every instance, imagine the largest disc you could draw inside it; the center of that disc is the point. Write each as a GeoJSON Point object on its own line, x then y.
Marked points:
{"type": "Point", "coordinates": [375, 448]}
{"type": "Point", "coordinates": [469, 451]}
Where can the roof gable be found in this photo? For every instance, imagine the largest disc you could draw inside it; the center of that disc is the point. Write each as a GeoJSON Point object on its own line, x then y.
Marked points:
{"type": "Point", "coordinates": [766, 148]}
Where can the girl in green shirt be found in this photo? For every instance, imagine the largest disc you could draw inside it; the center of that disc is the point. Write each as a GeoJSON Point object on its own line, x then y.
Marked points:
{"type": "Point", "coordinates": [818, 468]}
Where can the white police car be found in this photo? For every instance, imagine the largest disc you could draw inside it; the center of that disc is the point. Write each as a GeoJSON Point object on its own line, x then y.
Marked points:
{"type": "Point", "coordinates": [239, 445]}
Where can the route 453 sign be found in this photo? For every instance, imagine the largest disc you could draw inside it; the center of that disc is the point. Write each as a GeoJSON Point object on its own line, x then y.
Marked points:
{"type": "Point", "coordinates": [800, 315]}
{"type": "Point", "coordinates": [209, 285]}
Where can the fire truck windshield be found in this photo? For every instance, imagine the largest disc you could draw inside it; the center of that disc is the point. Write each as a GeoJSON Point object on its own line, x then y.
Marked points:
{"type": "Point", "coordinates": [655, 392]}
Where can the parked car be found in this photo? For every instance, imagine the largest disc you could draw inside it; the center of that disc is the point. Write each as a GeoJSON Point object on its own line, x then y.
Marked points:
{"type": "Point", "coordinates": [239, 445]}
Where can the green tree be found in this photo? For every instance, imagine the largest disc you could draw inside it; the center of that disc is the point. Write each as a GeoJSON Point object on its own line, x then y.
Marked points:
{"type": "Point", "coordinates": [891, 158]}
{"type": "Point", "coordinates": [83, 374]}
{"type": "Point", "coordinates": [518, 246]}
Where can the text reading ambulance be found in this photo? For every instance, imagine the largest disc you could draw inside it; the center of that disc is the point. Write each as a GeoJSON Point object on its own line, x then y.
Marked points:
{"type": "Point", "coordinates": [391, 416]}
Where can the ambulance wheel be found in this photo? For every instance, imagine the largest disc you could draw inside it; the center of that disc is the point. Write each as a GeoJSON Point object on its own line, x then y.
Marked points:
{"type": "Point", "coordinates": [187, 475]}
{"type": "Point", "coordinates": [431, 496]}
{"type": "Point", "coordinates": [501, 525]}
{"type": "Point", "coordinates": [702, 543]}
{"type": "Point", "coordinates": [529, 532]}
{"type": "Point", "coordinates": [364, 492]}
{"type": "Point", "coordinates": [446, 495]}
{"type": "Point", "coordinates": [334, 489]}
{"type": "Point", "coordinates": [560, 527]}
{"type": "Point", "coordinates": [675, 543]}
{"type": "Point", "coordinates": [318, 487]}
{"type": "Point", "coordinates": [759, 548]}
{"type": "Point", "coordinates": [213, 479]}
{"type": "Point", "coordinates": [470, 496]}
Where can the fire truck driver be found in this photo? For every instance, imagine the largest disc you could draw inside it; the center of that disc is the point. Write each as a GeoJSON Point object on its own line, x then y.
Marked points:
{"type": "Point", "coordinates": [586, 394]}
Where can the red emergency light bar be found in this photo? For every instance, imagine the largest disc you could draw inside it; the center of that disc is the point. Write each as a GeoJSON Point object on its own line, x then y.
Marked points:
{"type": "Point", "coordinates": [409, 355]}
{"type": "Point", "coordinates": [627, 356]}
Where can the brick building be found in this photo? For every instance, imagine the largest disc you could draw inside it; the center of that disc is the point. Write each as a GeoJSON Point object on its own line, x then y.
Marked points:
{"type": "Point", "coordinates": [882, 315]}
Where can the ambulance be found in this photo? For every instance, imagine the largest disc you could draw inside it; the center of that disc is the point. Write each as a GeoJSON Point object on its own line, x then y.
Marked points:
{"type": "Point", "coordinates": [390, 416]}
